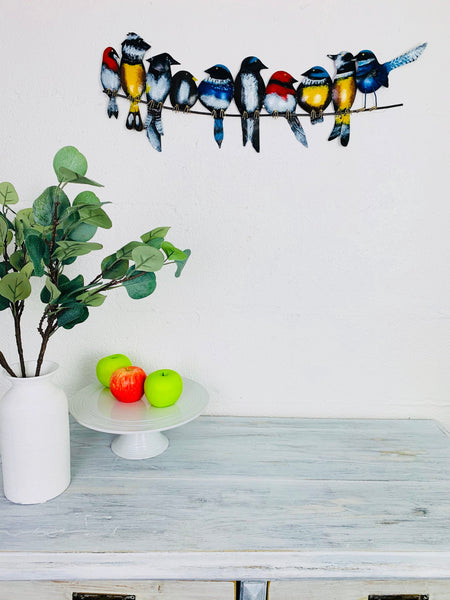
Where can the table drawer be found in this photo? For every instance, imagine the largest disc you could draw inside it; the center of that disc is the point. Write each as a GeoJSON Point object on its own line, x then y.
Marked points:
{"type": "Point", "coordinates": [358, 590]}
{"type": "Point", "coordinates": [142, 590]}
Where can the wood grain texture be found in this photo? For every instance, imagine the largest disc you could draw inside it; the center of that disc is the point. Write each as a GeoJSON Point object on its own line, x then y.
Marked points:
{"type": "Point", "coordinates": [355, 590]}
{"type": "Point", "coordinates": [245, 498]}
{"type": "Point", "coordinates": [143, 590]}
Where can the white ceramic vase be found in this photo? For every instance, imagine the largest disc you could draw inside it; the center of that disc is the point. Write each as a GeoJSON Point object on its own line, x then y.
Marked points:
{"type": "Point", "coordinates": [34, 437]}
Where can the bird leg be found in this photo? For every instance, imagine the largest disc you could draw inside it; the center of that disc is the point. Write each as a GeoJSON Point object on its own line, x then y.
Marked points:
{"type": "Point", "coordinates": [160, 105]}
{"type": "Point", "coordinates": [187, 109]}
{"type": "Point", "coordinates": [245, 115]}
{"type": "Point", "coordinates": [288, 115]}
{"type": "Point", "coordinates": [256, 115]}
{"type": "Point", "coordinates": [275, 114]}
{"type": "Point", "coordinates": [221, 113]}
{"type": "Point", "coordinates": [321, 114]}
{"type": "Point", "coordinates": [313, 114]}
{"type": "Point", "coordinates": [375, 106]}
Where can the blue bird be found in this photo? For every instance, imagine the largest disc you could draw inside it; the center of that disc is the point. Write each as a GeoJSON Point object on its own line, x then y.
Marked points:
{"type": "Point", "coordinates": [371, 75]}
{"type": "Point", "coordinates": [249, 92]}
{"type": "Point", "coordinates": [159, 77]}
{"type": "Point", "coordinates": [216, 93]}
{"type": "Point", "coordinates": [183, 91]}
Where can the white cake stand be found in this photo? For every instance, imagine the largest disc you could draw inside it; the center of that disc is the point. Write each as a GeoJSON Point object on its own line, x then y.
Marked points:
{"type": "Point", "coordinates": [137, 425]}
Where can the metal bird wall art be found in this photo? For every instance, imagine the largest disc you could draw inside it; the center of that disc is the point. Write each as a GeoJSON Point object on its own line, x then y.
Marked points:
{"type": "Point", "coordinates": [316, 90]}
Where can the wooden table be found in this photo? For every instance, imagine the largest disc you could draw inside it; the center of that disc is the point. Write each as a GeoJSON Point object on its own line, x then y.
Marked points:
{"type": "Point", "coordinates": [313, 506]}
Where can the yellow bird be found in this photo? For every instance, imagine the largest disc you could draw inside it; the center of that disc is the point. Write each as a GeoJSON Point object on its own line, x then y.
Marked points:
{"type": "Point", "coordinates": [133, 76]}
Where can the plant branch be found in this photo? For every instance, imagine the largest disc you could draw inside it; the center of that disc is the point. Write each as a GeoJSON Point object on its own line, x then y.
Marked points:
{"type": "Point", "coordinates": [17, 310]}
{"type": "Point", "coordinates": [5, 365]}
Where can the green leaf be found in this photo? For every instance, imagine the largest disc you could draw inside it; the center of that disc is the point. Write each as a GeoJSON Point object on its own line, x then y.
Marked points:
{"type": "Point", "coordinates": [127, 250]}
{"type": "Point", "coordinates": [68, 249]}
{"type": "Point", "coordinates": [142, 286]}
{"type": "Point", "coordinates": [44, 205]}
{"type": "Point", "coordinates": [36, 248]}
{"type": "Point", "coordinates": [3, 228]}
{"type": "Point", "coordinates": [68, 286]}
{"type": "Point", "coordinates": [4, 303]}
{"type": "Point", "coordinates": [182, 263]}
{"type": "Point", "coordinates": [94, 215]}
{"type": "Point", "coordinates": [27, 269]}
{"type": "Point", "coordinates": [86, 198]}
{"type": "Point", "coordinates": [75, 314]}
{"type": "Point", "coordinates": [155, 233]}
{"type": "Point", "coordinates": [15, 286]}
{"type": "Point", "coordinates": [8, 194]}
{"type": "Point", "coordinates": [69, 158]}
{"type": "Point", "coordinates": [72, 177]}
{"type": "Point", "coordinates": [3, 269]}
{"type": "Point", "coordinates": [24, 220]}
{"type": "Point", "coordinates": [83, 232]}
{"type": "Point", "coordinates": [155, 242]}
{"type": "Point", "coordinates": [171, 252]}
{"type": "Point", "coordinates": [147, 258]}
{"type": "Point", "coordinates": [113, 268]}
{"type": "Point", "coordinates": [53, 292]}
{"type": "Point", "coordinates": [18, 260]}
{"type": "Point", "coordinates": [91, 299]}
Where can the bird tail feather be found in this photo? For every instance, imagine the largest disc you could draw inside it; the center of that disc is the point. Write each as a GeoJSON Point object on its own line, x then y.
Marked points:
{"type": "Point", "coordinates": [405, 58]}
{"type": "Point", "coordinates": [134, 120]}
{"type": "Point", "coordinates": [153, 135]}
{"type": "Point", "coordinates": [218, 130]}
{"type": "Point", "coordinates": [297, 129]}
{"type": "Point", "coordinates": [336, 131]}
{"type": "Point", "coordinates": [345, 134]}
{"type": "Point", "coordinates": [154, 115]}
{"type": "Point", "coordinates": [255, 134]}
{"type": "Point", "coordinates": [113, 109]}
{"type": "Point", "coordinates": [245, 130]}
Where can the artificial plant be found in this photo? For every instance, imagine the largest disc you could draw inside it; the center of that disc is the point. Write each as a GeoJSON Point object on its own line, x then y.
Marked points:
{"type": "Point", "coordinates": [38, 243]}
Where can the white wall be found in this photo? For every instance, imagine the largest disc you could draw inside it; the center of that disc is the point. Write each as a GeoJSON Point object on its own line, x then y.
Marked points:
{"type": "Point", "coordinates": [319, 281]}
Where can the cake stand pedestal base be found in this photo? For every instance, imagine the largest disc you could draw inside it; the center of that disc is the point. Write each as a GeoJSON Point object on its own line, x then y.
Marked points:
{"type": "Point", "coordinates": [136, 446]}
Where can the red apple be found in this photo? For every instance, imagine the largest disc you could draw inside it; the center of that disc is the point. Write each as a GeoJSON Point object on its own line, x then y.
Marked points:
{"type": "Point", "coordinates": [127, 384]}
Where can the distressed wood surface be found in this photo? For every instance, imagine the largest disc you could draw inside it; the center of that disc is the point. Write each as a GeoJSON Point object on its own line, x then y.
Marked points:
{"type": "Point", "coordinates": [245, 498]}
{"type": "Point", "coordinates": [143, 590]}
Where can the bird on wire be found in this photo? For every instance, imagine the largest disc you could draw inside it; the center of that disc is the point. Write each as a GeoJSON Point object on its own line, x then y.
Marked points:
{"type": "Point", "coordinates": [371, 75]}
{"type": "Point", "coordinates": [110, 79]}
{"type": "Point", "coordinates": [314, 93]}
{"type": "Point", "coordinates": [183, 91]}
{"type": "Point", "coordinates": [280, 100]}
{"type": "Point", "coordinates": [132, 76]}
{"type": "Point", "coordinates": [249, 93]}
{"type": "Point", "coordinates": [159, 77]}
{"type": "Point", "coordinates": [216, 93]}
{"type": "Point", "coordinates": [343, 95]}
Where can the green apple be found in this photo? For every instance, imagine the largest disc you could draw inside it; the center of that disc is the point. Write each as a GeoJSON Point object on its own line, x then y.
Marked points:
{"type": "Point", "coordinates": [108, 364]}
{"type": "Point", "coordinates": [163, 388]}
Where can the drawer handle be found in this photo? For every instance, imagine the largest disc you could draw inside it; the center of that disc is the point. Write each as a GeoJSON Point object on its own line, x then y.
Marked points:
{"type": "Point", "coordinates": [88, 596]}
{"type": "Point", "coordinates": [399, 597]}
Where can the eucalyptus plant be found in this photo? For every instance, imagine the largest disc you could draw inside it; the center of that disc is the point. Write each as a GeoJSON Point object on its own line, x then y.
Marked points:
{"type": "Point", "coordinates": [38, 243]}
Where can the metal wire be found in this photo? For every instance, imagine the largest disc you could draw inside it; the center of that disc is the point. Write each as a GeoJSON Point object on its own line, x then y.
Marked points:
{"type": "Point", "coordinates": [303, 114]}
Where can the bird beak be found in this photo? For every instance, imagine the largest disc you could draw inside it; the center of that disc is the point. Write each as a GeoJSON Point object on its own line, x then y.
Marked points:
{"type": "Point", "coordinates": [332, 56]}
{"type": "Point", "coordinates": [173, 61]}
{"type": "Point", "coordinates": [194, 78]}
{"type": "Point", "coordinates": [263, 66]}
